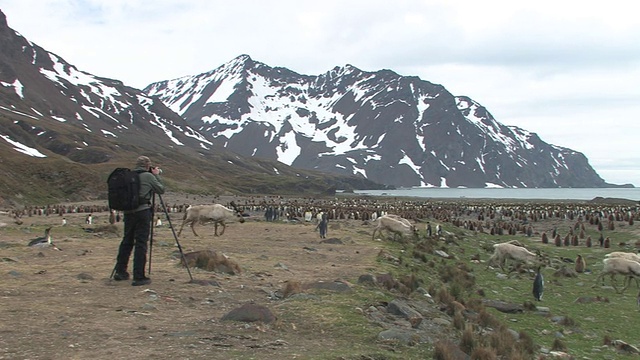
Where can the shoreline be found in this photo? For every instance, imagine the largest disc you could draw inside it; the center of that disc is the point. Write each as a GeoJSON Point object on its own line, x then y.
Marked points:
{"type": "Point", "coordinates": [180, 198]}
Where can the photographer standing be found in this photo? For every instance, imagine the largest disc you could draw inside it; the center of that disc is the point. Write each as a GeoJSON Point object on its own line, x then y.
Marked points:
{"type": "Point", "coordinates": [137, 225]}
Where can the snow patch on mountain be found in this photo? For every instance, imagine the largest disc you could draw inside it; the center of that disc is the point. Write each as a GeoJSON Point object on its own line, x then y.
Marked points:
{"type": "Point", "coordinates": [16, 85]}
{"type": "Point", "coordinates": [288, 150]}
{"type": "Point", "coordinates": [226, 87]}
{"type": "Point", "coordinates": [21, 148]}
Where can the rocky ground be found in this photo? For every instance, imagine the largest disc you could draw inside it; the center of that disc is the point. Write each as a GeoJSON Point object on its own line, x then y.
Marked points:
{"type": "Point", "coordinates": [295, 296]}
{"type": "Point", "coordinates": [62, 304]}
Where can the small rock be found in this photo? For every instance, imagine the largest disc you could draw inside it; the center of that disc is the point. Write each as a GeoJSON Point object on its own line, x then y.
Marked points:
{"type": "Point", "coordinates": [401, 308]}
{"type": "Point", "coordinates": [367, 279]}
{"type": "Point", "coordinates": [560, 355]}
{"type": "Point", "coordinates": [441, 321]}
{"type": "Point", "coordinates": [335, 241]}
{"type": "Point", "coordinates": [205, 282]}
{"type": "Point", "coordinates": [84, 276]}
{"type": "Point", "coordinates": [148, 306]}
{"type": "Point", "coordinates": [250, 313]}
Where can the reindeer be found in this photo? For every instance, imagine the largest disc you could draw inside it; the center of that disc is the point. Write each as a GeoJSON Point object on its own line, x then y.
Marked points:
{"type": "Point", "coordinates": [394, 224]}
{"type": "Point", "coordinates": [217, 213]}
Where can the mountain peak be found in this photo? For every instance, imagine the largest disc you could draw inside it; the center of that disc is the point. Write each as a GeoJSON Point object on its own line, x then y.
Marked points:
{"type": "Point", "coordinates": [243, 58]}
{"type": "Point", "coordinates": [237, 65]}
{"type": "Point", "coordinates": [342, 71]}
{"type": "Point", "coordinates": [392, 129]}
{"type": "Point", "coordinates": [348, 69]}
{"type": "Point", "coordinates": [3, 20]}
{"type": "Point", "coordinates": [242, 61]}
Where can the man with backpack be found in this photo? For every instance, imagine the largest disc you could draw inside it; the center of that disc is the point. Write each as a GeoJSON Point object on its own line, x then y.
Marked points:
{"type": "Point", "coordinates": [137, 225]}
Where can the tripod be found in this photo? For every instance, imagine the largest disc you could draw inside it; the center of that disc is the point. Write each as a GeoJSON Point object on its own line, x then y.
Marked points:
{"type": "Point", "coordinates": [166, 213]}
{"type": "Point", "coordinates": [164, 208]}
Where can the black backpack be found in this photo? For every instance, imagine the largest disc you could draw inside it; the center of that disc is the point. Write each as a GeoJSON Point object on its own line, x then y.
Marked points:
{"type": "Point", "coordinates": [124, 189]}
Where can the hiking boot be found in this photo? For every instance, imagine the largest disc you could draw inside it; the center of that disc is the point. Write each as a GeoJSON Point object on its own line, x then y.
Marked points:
{"type": "Point", "coordinates": [121, 276]}
{"type": "Point", "coordinates": [140, 282]}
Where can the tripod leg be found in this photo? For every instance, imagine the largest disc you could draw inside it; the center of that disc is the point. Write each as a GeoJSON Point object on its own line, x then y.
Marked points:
{"type": "Point", "coordinates": [175, 236]}
{"type": "Point", "coordinates": [153, 212]}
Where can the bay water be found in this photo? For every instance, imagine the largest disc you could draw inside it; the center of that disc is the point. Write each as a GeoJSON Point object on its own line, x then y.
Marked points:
{"type": "Point", "coordinates": [510, 193]}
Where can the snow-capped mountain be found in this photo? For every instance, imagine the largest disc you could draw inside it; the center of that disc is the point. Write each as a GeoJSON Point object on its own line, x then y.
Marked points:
{"type": "Point", "coordinates": [63, 130]}
{"type": "Point", "coordinates": [240, 126]}
{"type": "Point", "coordinates": [37, 84]}
{"type": "Point", "coordinates": [392, 129]}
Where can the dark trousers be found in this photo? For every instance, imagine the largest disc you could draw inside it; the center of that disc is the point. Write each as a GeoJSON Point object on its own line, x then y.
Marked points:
{"type": "Point", "coordinates": [137, 226]}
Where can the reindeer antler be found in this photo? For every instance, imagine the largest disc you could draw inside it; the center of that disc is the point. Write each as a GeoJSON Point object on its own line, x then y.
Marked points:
{"type": "Point", "coordinates": [233, 205]}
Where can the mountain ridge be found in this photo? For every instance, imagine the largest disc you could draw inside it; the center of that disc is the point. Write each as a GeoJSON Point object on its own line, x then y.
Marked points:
{"type": "Point", "coordinates": [246, 127]}
{"type": "Point", "coordinates": [63, 130]}
{"type": "Point", "coordinates": [392, 129]}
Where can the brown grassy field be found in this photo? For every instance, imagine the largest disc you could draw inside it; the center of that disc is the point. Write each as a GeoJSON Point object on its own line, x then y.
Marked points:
{"type": "Point", "coordinates": [63, 304]}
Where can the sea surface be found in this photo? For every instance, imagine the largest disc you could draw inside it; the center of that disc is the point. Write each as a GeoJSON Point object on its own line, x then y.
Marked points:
{"type": "Point", "coordinates": [494, 193]}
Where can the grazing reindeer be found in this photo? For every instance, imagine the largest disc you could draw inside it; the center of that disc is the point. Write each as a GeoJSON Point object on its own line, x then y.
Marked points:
{"type": "Point", "coordinates": [394, 224]}
{"type": "Point", "coordinates": [619, 266]}
{"type": "Point", "coordinates": [508, 251]}
{"type": "Point", "coordinates": [217, 213]}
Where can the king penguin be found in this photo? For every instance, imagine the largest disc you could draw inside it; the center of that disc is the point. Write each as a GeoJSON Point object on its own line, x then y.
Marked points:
{"type": "Point", "coordinates": [538, 285]}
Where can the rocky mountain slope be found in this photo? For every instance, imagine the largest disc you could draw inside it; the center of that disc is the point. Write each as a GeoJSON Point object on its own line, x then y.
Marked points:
{"type": "Point", "coordinates": [392, 129]}
{"type": "Point", "coordinates": [62, 130]}
{"type": "Point", "coordinates": [250, 128]}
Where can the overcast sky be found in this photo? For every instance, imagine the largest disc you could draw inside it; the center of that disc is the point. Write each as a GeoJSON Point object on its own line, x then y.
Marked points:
{"type": "Point", "coordinates": [566, 70]}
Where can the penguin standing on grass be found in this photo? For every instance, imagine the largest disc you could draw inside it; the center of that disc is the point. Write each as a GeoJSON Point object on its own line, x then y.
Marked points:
{"type": "Point", "coordinates": [44, 241]}
{"type": "Point", "coordinates": [538, 285]}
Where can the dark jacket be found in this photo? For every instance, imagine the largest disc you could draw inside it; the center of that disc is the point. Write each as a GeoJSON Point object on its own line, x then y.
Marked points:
{"type": "Point", "coordinates": [149, 184]}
